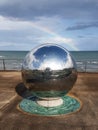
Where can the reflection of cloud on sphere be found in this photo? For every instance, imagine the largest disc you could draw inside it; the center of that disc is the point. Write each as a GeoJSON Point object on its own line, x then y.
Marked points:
{"type": "Point", "coordinates": [49, 71]}
{"type": "Point", "coordinates": [30, 60]}
{"type": "Point", "coordinates": [69, 62]}
{"type": "Point", "coordinates": [44, 55]}
{"type": "Point", "coordinates": [52, 64]}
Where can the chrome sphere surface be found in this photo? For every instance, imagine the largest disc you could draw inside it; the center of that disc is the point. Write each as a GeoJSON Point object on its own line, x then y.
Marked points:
{"type": "Point", "coordinates": [49, 71]}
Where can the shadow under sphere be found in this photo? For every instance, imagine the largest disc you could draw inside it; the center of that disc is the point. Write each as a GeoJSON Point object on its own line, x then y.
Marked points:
{"type": "Point", "coordinates": [49, 71]}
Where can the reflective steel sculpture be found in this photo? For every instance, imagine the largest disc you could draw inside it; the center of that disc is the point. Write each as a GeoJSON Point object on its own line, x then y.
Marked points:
{"type": "Point", "coordinates": [49, 71]}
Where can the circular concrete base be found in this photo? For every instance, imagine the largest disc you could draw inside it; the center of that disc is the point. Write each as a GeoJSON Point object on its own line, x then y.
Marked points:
{"type": "Point", "coordinates": [69, 105]}
{"type": "Point", "coordinates": [50, 102]}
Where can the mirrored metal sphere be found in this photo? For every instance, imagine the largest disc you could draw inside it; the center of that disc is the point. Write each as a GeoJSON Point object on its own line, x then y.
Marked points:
{"type": "Point", "coordinates": [49, 71]}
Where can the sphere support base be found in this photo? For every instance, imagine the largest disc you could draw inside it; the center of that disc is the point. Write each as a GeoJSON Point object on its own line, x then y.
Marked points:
{"type": "Point", "coordinates": [66, 105]}
{"type": "Point", "coordinates": [50, 102]}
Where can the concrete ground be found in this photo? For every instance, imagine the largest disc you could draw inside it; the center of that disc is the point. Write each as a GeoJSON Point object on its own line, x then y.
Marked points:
{"type": "Point", "coordinates": [12, 91]}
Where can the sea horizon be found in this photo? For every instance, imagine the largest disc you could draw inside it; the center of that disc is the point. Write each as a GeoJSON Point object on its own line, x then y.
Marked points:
{"type": "Point", "coordinates": [85, 60]}
{"type": "Point", "coordinates": [13, 53]}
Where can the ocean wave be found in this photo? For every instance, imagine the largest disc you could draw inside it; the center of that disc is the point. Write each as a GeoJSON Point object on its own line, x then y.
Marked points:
{"type": "Point", "coordinates": [2, 56]}
{"type": "Point", "coordinates": [94, 62]}
{"type": "Point", "coordinates": [79, 62]}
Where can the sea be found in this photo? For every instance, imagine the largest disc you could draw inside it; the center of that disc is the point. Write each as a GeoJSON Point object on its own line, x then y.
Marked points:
{"type": "Point", "coordinates": [87, 61]}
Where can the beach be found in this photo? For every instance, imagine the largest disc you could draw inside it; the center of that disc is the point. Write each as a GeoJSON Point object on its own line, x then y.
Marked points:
{"type": "Point", "coordinates": [12, 92]}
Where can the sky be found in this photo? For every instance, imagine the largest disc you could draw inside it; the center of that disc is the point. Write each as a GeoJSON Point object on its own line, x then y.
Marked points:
{"type": "Point", "coordinates": [25, 24]}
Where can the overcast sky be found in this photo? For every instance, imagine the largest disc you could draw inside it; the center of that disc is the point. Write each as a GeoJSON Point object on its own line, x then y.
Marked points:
{"type": "Point", "coordinates": [25, 24]}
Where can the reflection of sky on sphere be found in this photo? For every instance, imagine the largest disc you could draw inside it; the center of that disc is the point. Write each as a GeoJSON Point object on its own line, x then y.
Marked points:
{"type": "Point", "coordinates": [52, 57]}
{"type": "Point", "coordinates": [49, 52]}
{"type": "Point", "coordinates": [49, 56]}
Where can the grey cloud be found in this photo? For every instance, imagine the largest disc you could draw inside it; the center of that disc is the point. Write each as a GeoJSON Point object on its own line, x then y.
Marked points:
{"type": "Point", "coordinates": [81, 36]}
{"type": "Point", "coordinates": [82, 26]}
{"type": "Point", "coordinates": [29, 9]}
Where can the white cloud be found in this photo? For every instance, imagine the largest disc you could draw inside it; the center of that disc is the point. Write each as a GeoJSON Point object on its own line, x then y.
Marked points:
{"type": "Point", "coordinates": [68, 42]}
{"type": "Point", "coordinates": [2, 2]}
{"type": "Point", "coordinates": [55, 39]}
{"type": "Point", "coordinates": [4, 44]}
{"type": "Point", "coordinates": [42, 30]}
{"type": "Point", "coordinates": [13, 24]}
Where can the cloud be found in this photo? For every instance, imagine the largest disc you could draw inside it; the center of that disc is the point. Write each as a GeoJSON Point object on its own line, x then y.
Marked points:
{"type": "Point", "coordinates": [88, 43]}
{"type": "Point", "coordinates": [56, 39]}
{"type": "Point", "coordinates": [34, 22]}
{"type": "Point", "coordinates": [32, 33]}
{"type": "Point", "coordinates": [45, 24]}
{"type": "Point", "coordinates": [13, 24]}
{"type": "Point", "coordinates": [31, 9]}
{"type": "Point", "coordinates": [4, 44]}
{"type": "Point", "coordinates": [82, 26]}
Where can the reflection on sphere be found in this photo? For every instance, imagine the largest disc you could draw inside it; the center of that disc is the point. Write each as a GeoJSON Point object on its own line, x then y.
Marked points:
{"type": "Point", "coordinates": [49, 71]}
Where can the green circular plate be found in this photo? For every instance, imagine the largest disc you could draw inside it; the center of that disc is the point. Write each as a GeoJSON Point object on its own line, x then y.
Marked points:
{"type": "Point", "coordinates": [70, 105]}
